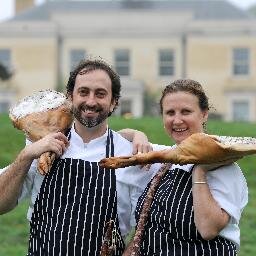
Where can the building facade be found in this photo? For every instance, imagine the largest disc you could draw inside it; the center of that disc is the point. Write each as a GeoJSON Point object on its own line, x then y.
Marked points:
{"type": "Point", "coordinates": [149, 43]}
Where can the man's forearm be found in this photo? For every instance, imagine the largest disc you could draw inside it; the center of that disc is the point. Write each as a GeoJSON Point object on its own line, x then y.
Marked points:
{"type": "Point", "coordinates": [11, 181]}
{"type": "Point", "coordinates": [128, 133]}
{"type": "Point", "coordinates": [139, 140]}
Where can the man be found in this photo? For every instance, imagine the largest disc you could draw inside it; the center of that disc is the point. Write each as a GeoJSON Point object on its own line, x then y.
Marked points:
{"type": "Point", "coordinates": [70, 207]}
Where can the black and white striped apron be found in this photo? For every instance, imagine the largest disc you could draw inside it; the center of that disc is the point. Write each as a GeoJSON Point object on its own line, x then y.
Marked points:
{"type": "Point", "coordinates": [170, 229]}
{"type": "Point", "coordinates": [75, 201]}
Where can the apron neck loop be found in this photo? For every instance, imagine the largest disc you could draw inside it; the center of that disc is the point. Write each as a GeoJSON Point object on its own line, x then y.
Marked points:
{"type": "Point", "coordinates": [110, 144]}
{"type": "Point", "coordinates": [68, 133]}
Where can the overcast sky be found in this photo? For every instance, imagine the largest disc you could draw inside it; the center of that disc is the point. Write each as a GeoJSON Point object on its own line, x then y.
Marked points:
{"type": "Point", "coordinates": [7, 6]}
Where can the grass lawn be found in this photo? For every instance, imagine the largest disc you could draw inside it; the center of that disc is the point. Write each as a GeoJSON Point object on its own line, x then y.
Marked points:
{"type": "Point", "coordinates": [14, 227]}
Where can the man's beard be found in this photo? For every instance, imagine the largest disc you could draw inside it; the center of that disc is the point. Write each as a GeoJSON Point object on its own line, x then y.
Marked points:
{"type": "Point", "coordinates": [90, 122]}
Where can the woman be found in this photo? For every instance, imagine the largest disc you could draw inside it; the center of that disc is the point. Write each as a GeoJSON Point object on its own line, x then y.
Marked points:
{"type": "Point", "coordinates": [195, 211]}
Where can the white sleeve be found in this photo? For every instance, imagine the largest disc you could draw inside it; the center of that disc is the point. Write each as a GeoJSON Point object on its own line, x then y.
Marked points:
{"type": "Point", "coordinates": [123, 207]}
{"type": "Point", "coordinates": [3, 169]}
{"type": "Point", "coordinates": [157, 147]}
{"type": "Point", "coordinates": [229, 188]}
{"type": "Point", "coordinates": [127, 201]}
{"type": "Point", "coordinates": [29, 180]}
{"type": "Point", "coordinates": [131, 183]}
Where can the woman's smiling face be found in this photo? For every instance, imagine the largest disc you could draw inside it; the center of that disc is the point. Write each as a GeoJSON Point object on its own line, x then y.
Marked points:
{"type": "Point", "coordinates": [182, 115]}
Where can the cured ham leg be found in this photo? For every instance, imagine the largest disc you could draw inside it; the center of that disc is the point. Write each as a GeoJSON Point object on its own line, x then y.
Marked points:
{"type": "Point", "coordinates": [199, 148]}
{"type": "Point", "coordinates": [40, 114]}
{"type": "Point", "coordinates": [107, 247]}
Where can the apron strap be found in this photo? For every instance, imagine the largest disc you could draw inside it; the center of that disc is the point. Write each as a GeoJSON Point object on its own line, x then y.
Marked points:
{"type": "Point", "coordinates": [110, 144]}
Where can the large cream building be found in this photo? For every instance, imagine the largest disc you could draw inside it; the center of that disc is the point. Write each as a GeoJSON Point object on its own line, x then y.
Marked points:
{"type": "Point", "coordinates": [149, 43]}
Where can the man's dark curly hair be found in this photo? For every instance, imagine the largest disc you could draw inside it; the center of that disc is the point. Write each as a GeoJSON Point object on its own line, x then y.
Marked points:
{"type": "Point", "coordinates": [96, 64]}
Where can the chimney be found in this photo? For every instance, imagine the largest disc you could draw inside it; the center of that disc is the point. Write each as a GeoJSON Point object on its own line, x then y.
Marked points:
{"type": "Point", "coordinates": [22, 5]}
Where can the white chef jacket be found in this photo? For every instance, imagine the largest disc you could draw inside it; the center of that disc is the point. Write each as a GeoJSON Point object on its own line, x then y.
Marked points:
{"type": "Point", "coordinates": [131, 181]}
{"type": "Point", "coordinates": [227, 184]}
{"type": "Point", "coordinates": [229, 188]}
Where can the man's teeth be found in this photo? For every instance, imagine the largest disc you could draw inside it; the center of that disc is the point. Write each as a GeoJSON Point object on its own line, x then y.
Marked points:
{"type": "Point", "coordinates": [89, 111]}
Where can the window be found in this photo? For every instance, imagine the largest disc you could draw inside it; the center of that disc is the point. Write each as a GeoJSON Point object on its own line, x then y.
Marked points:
{"type": "Point", "coordinates": [166, 62]}
{"type": "Point", "coordinates": [4, 106]}
{"type": "Point", "coordinates": [240, 110]}
{"type": "Point", "coordinates": [241, 61]}
{"type": "Point", "coordinates": [122, 62]}
{"type": "Point", "coordinates": [75, 56]}
{"type": "Point", "coordinates": [5, 58]}
{"type": "Point", "coordinates": [126, 107]}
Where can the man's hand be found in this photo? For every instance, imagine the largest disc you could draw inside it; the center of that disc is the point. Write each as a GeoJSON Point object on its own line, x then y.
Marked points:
{"type": "Point", "coordinates": [54, 142]}
{"type": "Point", "coordinates": [140, 143]}
{"type": "Point", "coordinates": [139, 140]}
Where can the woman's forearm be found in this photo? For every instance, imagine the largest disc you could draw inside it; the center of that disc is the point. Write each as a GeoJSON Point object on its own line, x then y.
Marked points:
{"type": "Point", "coordinates": [209, 217]}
